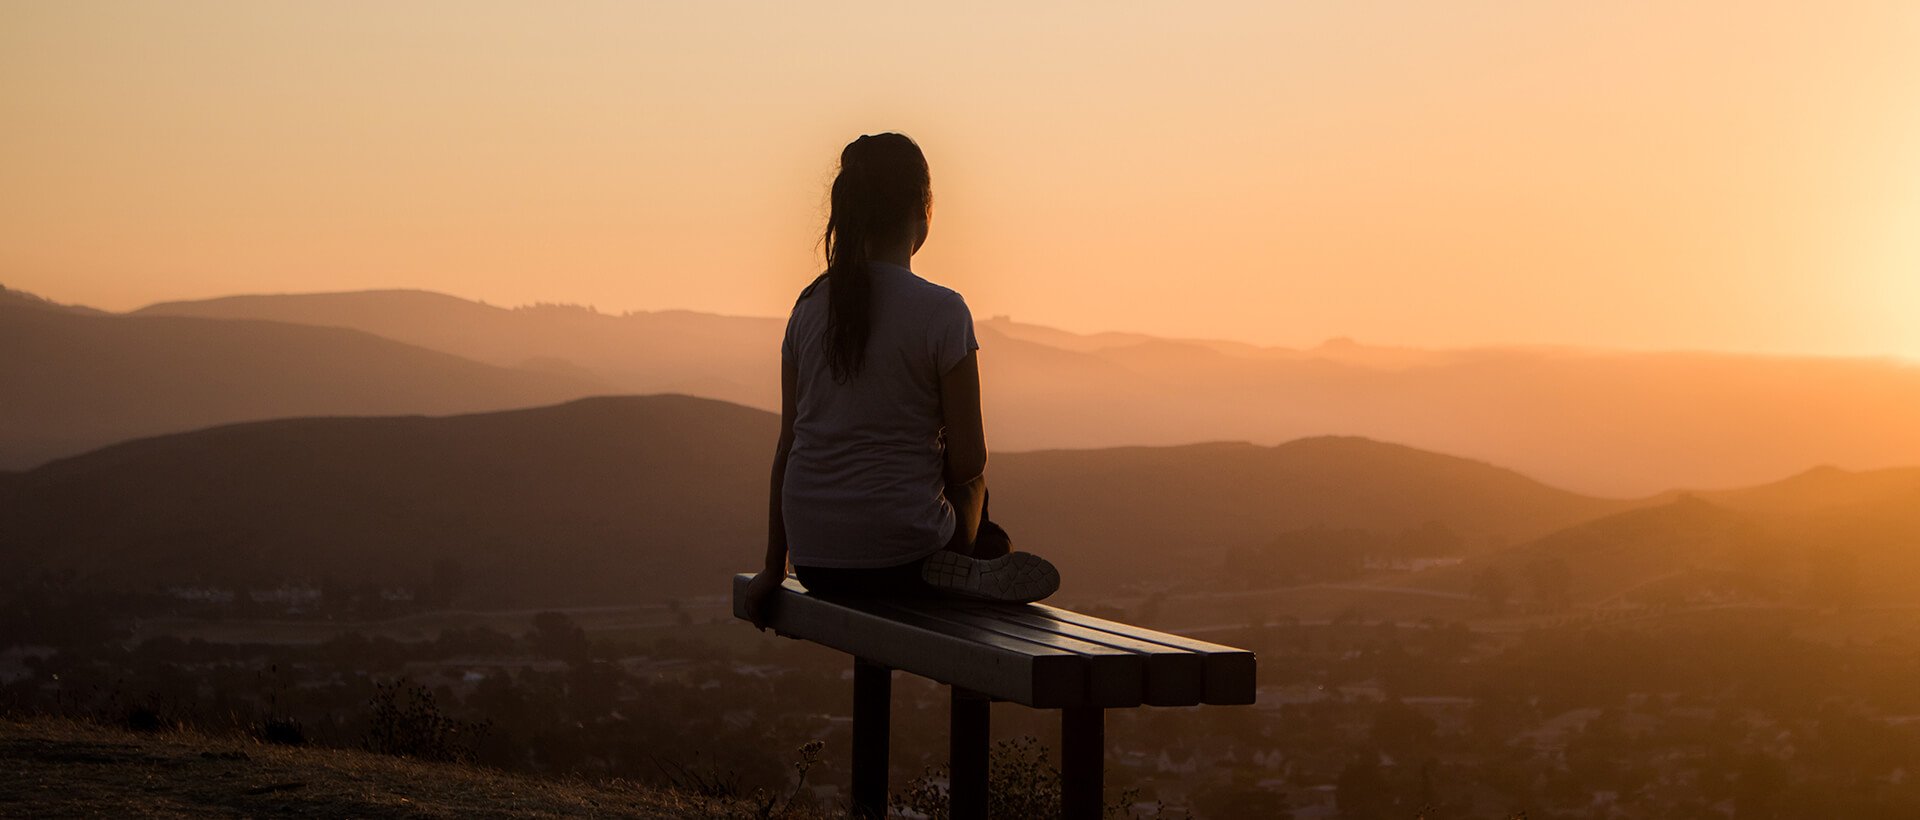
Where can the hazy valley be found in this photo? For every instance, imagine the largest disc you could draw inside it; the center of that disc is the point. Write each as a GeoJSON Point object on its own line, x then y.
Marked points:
{"type": "Point", "coordinates": [245, 514]}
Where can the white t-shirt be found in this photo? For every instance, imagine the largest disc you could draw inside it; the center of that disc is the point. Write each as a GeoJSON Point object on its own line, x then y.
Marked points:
{"type": "Point", "coordinates": [866, 476]}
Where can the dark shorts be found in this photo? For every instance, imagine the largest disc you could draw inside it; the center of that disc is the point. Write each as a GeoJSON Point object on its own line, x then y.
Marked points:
{"type": "Point", "coordinates": [902, 580]}
{"type": "Point", "coordinates": [865, 582]}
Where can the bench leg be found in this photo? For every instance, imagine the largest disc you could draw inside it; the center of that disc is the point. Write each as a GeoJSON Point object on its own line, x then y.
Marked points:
{"type": "Point", "coordinates": [970, 722]}
{"type": "Point", "coordinates": [1082, 761]}
{"type": "Point", "coordinates": [872, 700]}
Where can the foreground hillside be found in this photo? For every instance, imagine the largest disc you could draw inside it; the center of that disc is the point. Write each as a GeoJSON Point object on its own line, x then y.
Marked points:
{"type": "Point", "coordinates": [61, 768]}
{"type": "Point", "coordinates": [628, 499]}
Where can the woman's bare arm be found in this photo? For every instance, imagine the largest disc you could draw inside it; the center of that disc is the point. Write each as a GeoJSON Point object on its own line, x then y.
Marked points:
{"type": "Point", "coordinates": [966, 442]}
{"type": "Point", "coordinates": [776, 522]}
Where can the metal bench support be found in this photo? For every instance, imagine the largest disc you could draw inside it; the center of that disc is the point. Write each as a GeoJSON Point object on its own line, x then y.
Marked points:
{"type": "Point", "coordinates": [872, 700]}
{"type": "Point", "coordinates": [1038, 656]}
{"type": "Point", "coordinates": [970, 724]}
{"type": "Point", "coordinates": [1083, 731]}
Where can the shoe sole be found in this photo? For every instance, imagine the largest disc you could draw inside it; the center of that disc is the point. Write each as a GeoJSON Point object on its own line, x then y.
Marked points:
{"type": "Point", "coordinates": [1019, 577]}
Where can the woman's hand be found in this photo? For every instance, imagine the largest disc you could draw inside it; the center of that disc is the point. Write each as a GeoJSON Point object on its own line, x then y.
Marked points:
{"type": "Point", "coordinates": [760, 596]}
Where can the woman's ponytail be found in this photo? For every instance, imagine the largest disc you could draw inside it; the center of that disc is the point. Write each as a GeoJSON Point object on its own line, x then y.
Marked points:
{"type": "Point", "coordinates": [881, 190]}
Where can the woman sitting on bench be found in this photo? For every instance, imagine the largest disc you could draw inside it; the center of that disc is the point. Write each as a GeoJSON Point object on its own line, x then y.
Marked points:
{"type": "Point", "coordinates": [878, 479]}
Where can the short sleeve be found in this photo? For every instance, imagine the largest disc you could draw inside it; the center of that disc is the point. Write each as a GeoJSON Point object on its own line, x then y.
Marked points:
{"type": "Point", "coordinates": [789, 350]}
{"type": "Point", "coordinates": [786, 339]}
{"type": "Point", "coordinates": [953, 334]}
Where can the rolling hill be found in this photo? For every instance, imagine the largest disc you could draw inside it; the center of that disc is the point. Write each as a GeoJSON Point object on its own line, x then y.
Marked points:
{"type": "Point", "coordinates": [611, 500]}
{"type": "Point", "coordinates": [1142, 511]}
{"type": "Point", "coordinates": [1823, 538]}
{"type": "Point", "coordinates": [603, 500]}
{"type": "Point", "coordinates": [75, 380]}
{"type": "Point", "coordinates": [1823, 490]}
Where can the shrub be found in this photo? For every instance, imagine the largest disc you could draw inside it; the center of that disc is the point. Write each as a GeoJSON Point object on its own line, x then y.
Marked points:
{"type": "Point", "coordinates": [143, 719]}
{"type": "Point", "coordinates": [280, 732]}
{"type": "Point", "coordinates": [407, 722]}
{"type": "Point", "coordinates": [1020, 784]}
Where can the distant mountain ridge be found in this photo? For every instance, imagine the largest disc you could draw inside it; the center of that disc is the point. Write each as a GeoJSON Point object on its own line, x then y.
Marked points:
{"type": "Point", "coordinates": [725, 357]}
{"type": "Point", "coordinates": [20, 298]}
{"type": "Point", "coordinates": [1610, 423]}
{"type": "Point", "coordinates": [75, 380]}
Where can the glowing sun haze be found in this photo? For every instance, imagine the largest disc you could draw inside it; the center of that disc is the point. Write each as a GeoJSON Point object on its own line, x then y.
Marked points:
{"type": "Point", "coordinates": [1737, 176]}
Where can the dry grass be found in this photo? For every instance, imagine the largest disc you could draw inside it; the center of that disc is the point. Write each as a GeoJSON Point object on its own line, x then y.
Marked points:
{"type": "Point", "coordinates": [61, 768]}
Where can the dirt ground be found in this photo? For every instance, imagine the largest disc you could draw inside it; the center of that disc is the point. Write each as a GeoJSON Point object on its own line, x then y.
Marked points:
{"type": "Point", "coordinates": [60, 768]}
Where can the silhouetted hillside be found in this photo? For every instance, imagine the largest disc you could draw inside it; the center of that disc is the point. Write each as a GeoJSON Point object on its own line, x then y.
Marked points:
{"type": "Point", "coordinates": [1825, 538]}
{"type": "Point", "coordinates": [1826, 489]}
{"type": "Point", "coordinates": [1639, 550]}
{"type": "Point", "coordinates": [622, 499]}
{"type": "Point", "coordinates": [1611, 423]}
{"type": "Point", "coordinates": [75, 381]}
{"type": "Point", "coordinates": [1128, 511]}
{"type": "Point", "coordinates": [599, 500]}
{"type": "Point", "coordinates": [1860, 531]}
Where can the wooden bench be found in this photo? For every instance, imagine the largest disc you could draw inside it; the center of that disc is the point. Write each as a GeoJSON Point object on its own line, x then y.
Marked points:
{"type": "Point", "coordinates": [1035, 655]}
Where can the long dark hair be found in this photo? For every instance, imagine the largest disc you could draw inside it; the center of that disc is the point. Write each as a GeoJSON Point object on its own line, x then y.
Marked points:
{"type": "Point", "coordinates": [882, 189]}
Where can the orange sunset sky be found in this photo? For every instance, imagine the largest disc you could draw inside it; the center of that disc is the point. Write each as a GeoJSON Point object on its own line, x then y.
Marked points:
{"type": "Point", "coordinates": [1737, 176]}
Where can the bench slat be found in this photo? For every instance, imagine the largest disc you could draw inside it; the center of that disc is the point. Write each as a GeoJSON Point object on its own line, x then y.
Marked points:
{"type": "Point", "coordinates": [982, 660]}
{"type": "Point", "coordinates": [1230, 671]}
{"type": "Point", "coordinates": [1175, 676]}
{"type": "Point", "coordinates": [1115, 677]}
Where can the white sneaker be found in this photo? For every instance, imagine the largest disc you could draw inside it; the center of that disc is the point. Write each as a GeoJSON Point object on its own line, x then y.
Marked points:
{"type": "Point", "coordinates": [1017, 577]}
